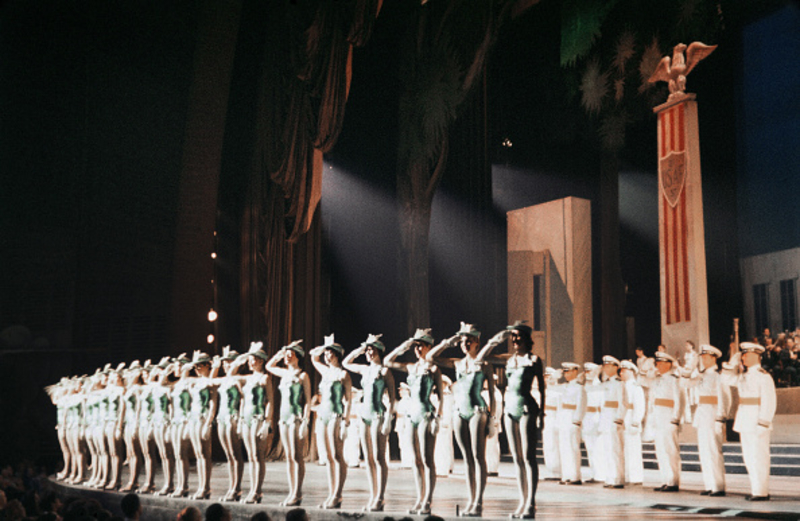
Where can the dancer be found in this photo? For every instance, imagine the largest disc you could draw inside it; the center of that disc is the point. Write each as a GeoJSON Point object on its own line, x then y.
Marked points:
{"type": "Point", "coordinates": [115, 416]}
{"type": "Point", "coordinates": [147, 409]}
{"type": "Point", "coordinates": [256, 417]}
{"type": "Point", "coordinates": [133, 389]}
{"type": "Point", "coordinates": [295, 391]}
{"type": "Point", "coordinates": [228, 417]}
{"type": "Point", "coordinates": [376, 409]}
{"type": "Point", "coordinates": [201, 418]}
{"type": "Point", "coordinates": [524, 416]}
{"type": "Point", "coordinates": [179, 432]}
{"type": "Point", "coordinates": [58, 394]}
{"type": "Point", "coordinates": [471, 415]}
{"type": "Point", "coordinates": [333, 415]}
{"type": "Point", "coordinates": [571, 410]}
{"type": "Point", "coordinates": [162, 416]}
{"type": "Point", "coordinates": [97, 410]}
{"type": "Point", "coordinates": [76, 428]}
{"type": "Point", "coordinates": [424, 379]}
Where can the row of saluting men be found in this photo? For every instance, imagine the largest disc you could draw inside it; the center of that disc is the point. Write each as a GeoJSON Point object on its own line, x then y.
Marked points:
{"type": "Point", "coordinates": [620, 403]}
{"type": "Point", "coordinates": [178, 400]}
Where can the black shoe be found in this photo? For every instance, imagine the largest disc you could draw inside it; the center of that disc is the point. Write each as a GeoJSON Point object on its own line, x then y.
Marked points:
{"type": "Point", "coordinates": [660, 489]}
{"type": "Point", "coordinates": [617, 486]}
{"type": "Point", "coordinates": [575, 482]}
{"type": "Point", "coordinates": [563, 482]}
{"type": "Point", "coordinates": [757, 498]}
{"type": "Point", "coordinates": [670, 488]}
{"type": "Point", "coordinates": [705, 493]}
{"type": "Point", "coordinates": [718, 493]}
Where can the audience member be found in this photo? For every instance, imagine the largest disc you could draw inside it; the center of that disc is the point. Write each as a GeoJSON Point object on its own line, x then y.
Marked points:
{"type": "Point", "coordinates": [260, 516]}
{"type": "Point", "coordinates": [217, 512]}
{"type": "Point", "coordinates": [297, 514]}
{"type": "Point", "coordinates": [190, 514]}
{"type": "Point", "coordinates": [131, 507]}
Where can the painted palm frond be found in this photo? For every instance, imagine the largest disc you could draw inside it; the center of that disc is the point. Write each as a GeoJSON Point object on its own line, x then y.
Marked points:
{"type": "Point", "coordinates": [650, 59]}
{"type": "Point", "coordinates": [581, 26]}
{"type": "Point", "coordinates": [594, 86]}
{"type": "Point", "coordinates": [624, 51]}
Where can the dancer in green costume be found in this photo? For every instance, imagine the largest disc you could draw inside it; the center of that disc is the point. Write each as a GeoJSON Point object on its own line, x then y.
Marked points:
{"type": "Point", "coordinates": [424, 379]}
{"type": "Point", "coordinates": [332, 415]}
{"type": "Point", "coordinates": [256, 415]}
{"type": "Point", "coordinates": [181, 407]}
{"type": "Point", "coordinates": [115, 415]}
{"type": "Point", "coordinates": [295, 391]}
{"type": "Point", "coordinates": [228, 417]}
{"type": "Point", "coordinates": [201, 418]}
{"type": "Point", "coordinates": [133, 390]}
{"type": "Point", "coordinates": [147, 409]}
{"type": "Point", "coordinates": [377, 406]}
{"type": "Point", "coordinates": [524, 416]}
{"type": "Point", "coordinates": [162, 419]}
{"type": "Point", "coordinates": [471, 415]}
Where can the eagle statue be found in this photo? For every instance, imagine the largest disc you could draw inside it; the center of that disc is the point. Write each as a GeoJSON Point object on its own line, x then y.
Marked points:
{"type": "Point", "coordinates": [675, 70]}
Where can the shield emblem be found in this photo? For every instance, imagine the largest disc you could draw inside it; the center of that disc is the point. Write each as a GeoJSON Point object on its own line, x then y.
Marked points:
{"type": "Point", "coordinates": [673, 176]}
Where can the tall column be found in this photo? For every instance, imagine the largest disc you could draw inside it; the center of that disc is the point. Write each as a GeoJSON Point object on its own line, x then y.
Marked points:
{"type": "Point", "coordinates": [684, 294]}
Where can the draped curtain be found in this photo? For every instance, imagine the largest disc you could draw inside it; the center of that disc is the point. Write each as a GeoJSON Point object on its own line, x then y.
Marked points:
{"type": "Point", "coordinates": [302, 91]}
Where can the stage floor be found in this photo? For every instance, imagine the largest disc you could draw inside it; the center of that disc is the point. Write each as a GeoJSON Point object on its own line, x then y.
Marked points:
{"type": "Point", "coordinates": [554, 501]}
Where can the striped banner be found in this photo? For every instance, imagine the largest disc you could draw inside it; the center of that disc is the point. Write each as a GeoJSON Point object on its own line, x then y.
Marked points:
{"type": "Point", "coordinates": [672, 197]}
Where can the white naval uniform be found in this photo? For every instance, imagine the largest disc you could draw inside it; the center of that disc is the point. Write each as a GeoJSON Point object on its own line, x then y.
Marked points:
{"type": "Point", "coordinates": [713, 403]}
{"type": "Point", "coordinates": [634, 418]}
{"type": "Point", "coordinates": [757, 403]}
{"type": "Point", "coordinates": [612, 443]}
{"type": "Point", "coordinates": [552, 458]}
{"type": "Point", "coordinates": [667, 410]}
{"type": "Point", "coordinates": [589, 429]}
{"type": "Point", "coordinates": [569, 417]}
{"type": "Point", "coordinates": [493, 443]}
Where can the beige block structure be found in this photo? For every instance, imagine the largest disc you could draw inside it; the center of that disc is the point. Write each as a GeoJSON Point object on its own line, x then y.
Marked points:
{"type": "Point", "coordinates": [550, 277]}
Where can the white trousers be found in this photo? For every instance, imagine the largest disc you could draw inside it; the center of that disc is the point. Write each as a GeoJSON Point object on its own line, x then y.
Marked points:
{"type": "Point", "coordinates": [613, 453]}
{"type": "Point", "coordinates": [634, 467]}
{"type": "Point", "coordinates": [755, 451]}
{"type": "Point", "coordinates": [552, 459]}
{"type": "Point", "coordinates": [712, 462]}
{"type": "Point", "coordinates": [569, 446]}
{"type": "Point", "coordinates": [668, 453]}
{"type": "Point", "coordinates": [594, 455]}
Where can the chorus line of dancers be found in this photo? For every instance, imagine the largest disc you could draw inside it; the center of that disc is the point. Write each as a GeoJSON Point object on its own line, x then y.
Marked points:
{"type": "Point", "coordinates": [175, 404]}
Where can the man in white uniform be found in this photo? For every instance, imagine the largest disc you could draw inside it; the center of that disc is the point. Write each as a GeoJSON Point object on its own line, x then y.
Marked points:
{"type": "Point", "coordinates": [569, 417]}
{"type": "Point", "coordinates": [552, 457]}
{"type": "Point", "coordinates": [667, 409]}
{"type": "Point", "coordinates": [713, 403]}
{"type": "Point", "coordinates": [634, 419]}
{"type": "Point", "coordinates": [757, 404]}
{"type": "Point", "coordinates": [591, 421]}
{"type": "Point", "coordinates": [612, 416]}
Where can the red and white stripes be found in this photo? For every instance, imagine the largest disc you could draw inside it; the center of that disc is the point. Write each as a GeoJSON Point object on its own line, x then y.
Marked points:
{"type": "Point", "coordinates": [672, 197]}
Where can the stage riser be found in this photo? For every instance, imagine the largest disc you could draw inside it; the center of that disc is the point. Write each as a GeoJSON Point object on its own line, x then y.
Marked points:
{"type": "Point", "coordinates": [785, 458]}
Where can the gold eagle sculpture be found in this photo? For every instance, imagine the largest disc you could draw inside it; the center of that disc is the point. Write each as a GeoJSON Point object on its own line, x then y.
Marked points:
{"type": "Point", "coordinates": [675, 70]}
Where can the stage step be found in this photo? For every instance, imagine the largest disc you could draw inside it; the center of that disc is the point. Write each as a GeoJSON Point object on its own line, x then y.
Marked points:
{"type": "Point", "coordinates": [785, 458]}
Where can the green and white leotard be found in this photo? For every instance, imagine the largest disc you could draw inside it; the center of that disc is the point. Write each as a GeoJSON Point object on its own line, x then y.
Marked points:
{"type": "Point", "coordinates": [331, 388]}
{"type": "Point", "coordinates": [467, 388]}
{"type": "Point", "coordinates": [421, 382]}
{"type": "Point", "coordinates": [520, 371]}
{"type": "Point", "coordinates": [374, 384]}
{"type": "Point", "coordinates": [292, 398]}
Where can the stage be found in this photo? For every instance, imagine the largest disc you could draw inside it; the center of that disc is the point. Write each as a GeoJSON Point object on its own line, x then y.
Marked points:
{"type": "Point", "coordinates": [554, 501]}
